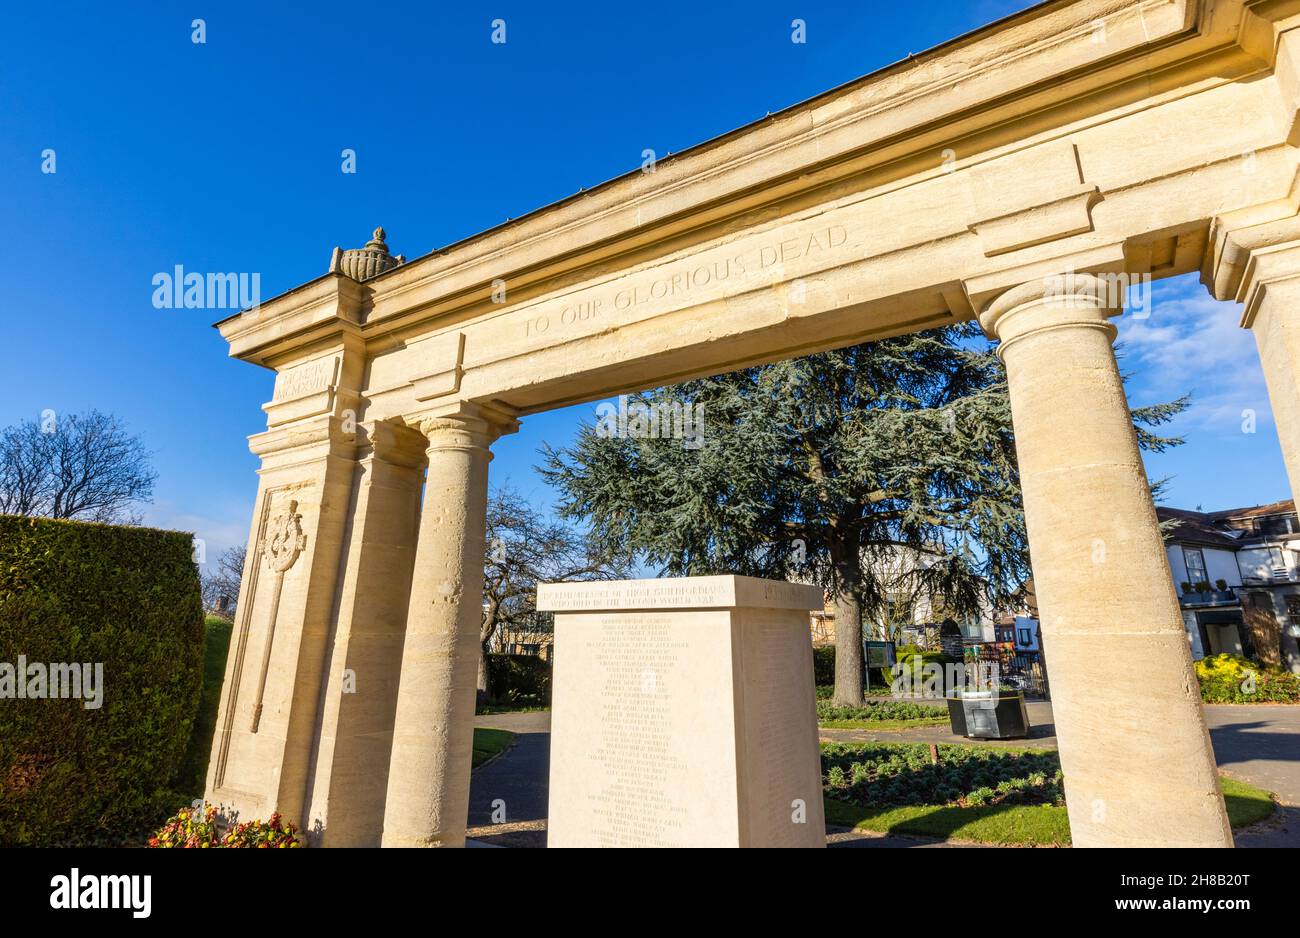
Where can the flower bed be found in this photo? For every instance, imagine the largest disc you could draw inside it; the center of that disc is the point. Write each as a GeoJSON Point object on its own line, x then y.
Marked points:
{"type": "Point", "coordinates": [192, 828]}
{"type": "Point", "coordinates": [893, 774]}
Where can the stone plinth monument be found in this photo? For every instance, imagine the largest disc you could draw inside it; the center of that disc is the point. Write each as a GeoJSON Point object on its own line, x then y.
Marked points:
{"type": "Point", "coordinates": [684, 714]}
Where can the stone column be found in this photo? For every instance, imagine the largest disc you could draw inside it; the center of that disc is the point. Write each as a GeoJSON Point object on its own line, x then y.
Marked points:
{"type": "Point", "coordinates": [1272, 313]}
{"type": "Point", "coordinates": [433, 734]}
{"type": "Point", "coordinates": [1139, 770]}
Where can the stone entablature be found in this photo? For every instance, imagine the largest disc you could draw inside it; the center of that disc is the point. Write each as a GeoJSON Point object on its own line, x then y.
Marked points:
{"type": "Point", "coordinates": [884, 230]}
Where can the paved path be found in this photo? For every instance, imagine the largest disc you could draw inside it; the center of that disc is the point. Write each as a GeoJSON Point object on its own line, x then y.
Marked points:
{"type": "Point", "coordinates": [516, 779]}
{"type": "Point", "coordinates": [1258, 744]}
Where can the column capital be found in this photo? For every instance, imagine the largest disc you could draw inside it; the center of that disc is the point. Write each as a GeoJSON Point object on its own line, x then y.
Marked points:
{"type": "Point", "coordinates": [1267, 269]}
{"type": "Point", "coordinates": [1054, 302]}
{"type": "Point", "coordinates": [1250, 252]}
{"type": "Point", "coordinates": [391, 442]}
{"type": "Point", "coordinates": [461, 424]}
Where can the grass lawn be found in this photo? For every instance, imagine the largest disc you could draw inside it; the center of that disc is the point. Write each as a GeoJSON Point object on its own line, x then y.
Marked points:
{"type": "Point", "coordinates": [1042, 825]}
{"type": "Point", "coordinates": [192, 775]}
{"type": "Point", "coordinates": [489, 743]}
{"type": "Point", "coordinates": [897, 772]}
{"type": "Point", "coordinates": [884, 726]}
{"type": "Point", "coordinates": [1246, 804]}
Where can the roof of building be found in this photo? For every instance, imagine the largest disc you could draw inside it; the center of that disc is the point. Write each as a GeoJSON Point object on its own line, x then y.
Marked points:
{"type": "Point", "coordinates": [1258, 511]}
{"type": "Point", "coordinates": [1211, 527]}
{"type": "Point", "coordinates": [1024, 602]}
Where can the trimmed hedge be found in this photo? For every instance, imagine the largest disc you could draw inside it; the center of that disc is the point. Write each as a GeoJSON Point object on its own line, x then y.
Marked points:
{"type": "Point", "coordinates": [522, 680]}
{"type": "Point", "coordinates": [126, 598]}
{"type": "Point", "coordinates": [879, 711]}
{"type": "Point", "coordinates": [823, 664]}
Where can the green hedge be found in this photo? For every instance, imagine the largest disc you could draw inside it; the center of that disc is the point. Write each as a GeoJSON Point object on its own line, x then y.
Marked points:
{"type": "Point", "coordinates": [126, 598]}
{"type": "Point", "coordinates": [823, 665]}
{"type": "Point", "coordinates": [523, 680]}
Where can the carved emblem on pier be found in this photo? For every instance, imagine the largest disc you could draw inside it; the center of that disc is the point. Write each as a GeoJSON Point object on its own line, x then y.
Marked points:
{"type": "Point", "coordinates": [284, 539]}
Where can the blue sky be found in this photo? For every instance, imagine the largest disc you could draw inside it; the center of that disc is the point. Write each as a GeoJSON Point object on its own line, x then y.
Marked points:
{"type": "Point", "coordinates": [226, 156]}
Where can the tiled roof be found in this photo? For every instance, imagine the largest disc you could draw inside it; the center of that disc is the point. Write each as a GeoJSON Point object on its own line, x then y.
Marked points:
{"type": "Point", "coordinates": [1211, 527]}
{"type": "Point", "coordinates": [1258, 511]}
{"type": "Point", "coordinates": [1198, 527]}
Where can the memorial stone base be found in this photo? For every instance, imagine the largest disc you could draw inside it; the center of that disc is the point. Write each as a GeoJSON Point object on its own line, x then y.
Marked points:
{"type": "Point", "coordinates": [684, 714]}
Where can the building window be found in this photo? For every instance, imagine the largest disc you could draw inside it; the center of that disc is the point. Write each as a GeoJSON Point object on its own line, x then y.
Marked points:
{"type": "Point", "coordinates": [1195, 561]}
{"type": "Point", "coordinates": [1026, 636]}
{"type": "Point", "coordinates": [1293, 612]}
{"type": "Point", "coordinates": [1277, 524]}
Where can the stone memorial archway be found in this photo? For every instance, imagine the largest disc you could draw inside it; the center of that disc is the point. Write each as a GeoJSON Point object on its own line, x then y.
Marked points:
{"type": "Point", "coordinates": [1024, 175]}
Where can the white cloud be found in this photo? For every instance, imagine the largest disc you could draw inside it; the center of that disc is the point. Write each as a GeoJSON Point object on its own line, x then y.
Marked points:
{"type": "Point", "coordinates": [1194, 343]}
{"type": "Point", "coordinates": [217, 534]}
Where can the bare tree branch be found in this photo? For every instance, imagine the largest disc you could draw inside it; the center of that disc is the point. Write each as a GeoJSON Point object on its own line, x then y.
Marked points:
{"type": "Point", "coordinates": [524, 549]}
{"type": "Point", "coordinates": [83, 466]}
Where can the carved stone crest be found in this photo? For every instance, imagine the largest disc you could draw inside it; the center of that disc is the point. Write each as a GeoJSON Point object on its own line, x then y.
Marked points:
{"type": "Point", "coordinates": [285, 539]}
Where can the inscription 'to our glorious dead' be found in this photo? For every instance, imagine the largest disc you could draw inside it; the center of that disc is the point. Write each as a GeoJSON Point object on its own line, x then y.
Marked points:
{"type": "Point", "coordinates": [698, 275]}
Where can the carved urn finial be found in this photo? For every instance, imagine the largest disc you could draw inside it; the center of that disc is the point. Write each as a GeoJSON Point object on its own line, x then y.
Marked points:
{"type": "Point", "coordinates": [369, 261]}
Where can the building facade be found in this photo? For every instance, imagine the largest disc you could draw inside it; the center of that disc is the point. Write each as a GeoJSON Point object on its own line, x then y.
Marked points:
{"type": "Point", "coordinates": [1237, 575]}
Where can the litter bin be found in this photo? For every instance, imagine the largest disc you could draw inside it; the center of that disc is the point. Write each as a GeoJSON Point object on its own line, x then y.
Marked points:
{"type": "Point", "coordinates": [988, 715]}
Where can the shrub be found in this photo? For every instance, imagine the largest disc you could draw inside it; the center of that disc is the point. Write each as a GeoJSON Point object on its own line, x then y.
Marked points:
{"type": "Point", "coordinates": [824, 664]}
{"type": "Point", "coordinates": [875, 710]}
{"type": "Point", "coordinates": [522, 680]}
{"type": "Point", "coordinates": [195, 828]}
{"type": "Point", "coordinates": [123, 597]}
{"type": "Point", "coordinates": [824, 670]}
{"type": "Point", "coordinates": [1229, 678]}
{"type": "Point", "coordinates": [893, 774]}
{"type": "Point", "coordinates": [913, 660]}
